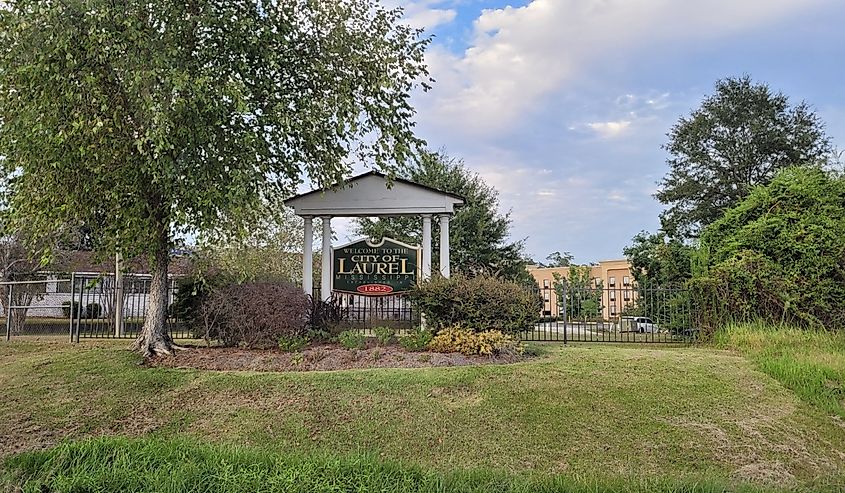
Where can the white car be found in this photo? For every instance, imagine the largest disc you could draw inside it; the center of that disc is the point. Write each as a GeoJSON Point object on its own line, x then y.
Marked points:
{"type": "Point", "coordinates": [645, 325]}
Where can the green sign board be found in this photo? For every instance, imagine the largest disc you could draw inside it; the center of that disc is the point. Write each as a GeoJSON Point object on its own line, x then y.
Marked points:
{"type": "Point", "coordinates": [371, 269]}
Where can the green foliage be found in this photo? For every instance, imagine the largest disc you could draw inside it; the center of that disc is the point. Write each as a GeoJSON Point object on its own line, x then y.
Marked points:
{"type": "Point", "coordinates": [478, 238]}
{"type": "Point", "coordinates": [810, 363]}
{"type": "Point", "coordinates": [384, 335]}
{"type": "Point", "coordinates": [557, 259]}
{"type": "Point", "coordinates": [739, 137]}
{"type": "Point", "coordinates": [145, 121]}
{"type": "Point", "coordinates": [778, 255]}
{"type": "Point", "coordinates": [352, 339]}
{"type": "Point", "coordinates": [416, 340]}
{"type": "Point", "coordinates": [658, 260]}
{"type": "Point", "coordinates": [458, 339]}
{"type": "Point", "coordinates": [116, 464]}
{"type": "Point", "coordinates": [481, 303]}
{"type": "Point", "coordinates": [292, 343]}
{"type": "Point", "coordinates": [581, 295]}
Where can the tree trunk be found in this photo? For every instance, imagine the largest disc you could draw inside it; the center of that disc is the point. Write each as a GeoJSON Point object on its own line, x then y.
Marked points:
{"type": "Point", "coordinates": [154, 338]}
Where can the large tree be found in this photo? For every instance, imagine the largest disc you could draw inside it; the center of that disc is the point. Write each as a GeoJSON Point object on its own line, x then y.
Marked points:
{"type": "Point", "coordinates": [151, 120]}
{"type": "Point", "coordinates": [738, 138]}
{"type": "Point", "coordinates": [478, 233]}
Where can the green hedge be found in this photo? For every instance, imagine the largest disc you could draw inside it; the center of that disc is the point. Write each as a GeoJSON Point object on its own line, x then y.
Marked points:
{"type": "Point", "coordinates": [479, 303]}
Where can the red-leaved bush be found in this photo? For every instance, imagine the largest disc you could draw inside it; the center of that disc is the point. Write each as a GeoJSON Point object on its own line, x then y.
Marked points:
{"type": "Point", "coordinates": [255, 315]}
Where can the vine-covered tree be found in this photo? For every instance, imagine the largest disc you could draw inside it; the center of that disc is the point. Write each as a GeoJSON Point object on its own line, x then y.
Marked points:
{"type": "Point", "coordinates": [151, 120]}
{"type": "Point", "coordinates": [740, 137]}
{"type": "Point", "coordinates": [478, 232]}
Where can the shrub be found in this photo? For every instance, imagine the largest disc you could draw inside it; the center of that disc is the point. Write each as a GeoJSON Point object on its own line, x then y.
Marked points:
{"type": "Point", "coordinates": [255, 315]}
{"type": "Point", "coordinates": [93, 310]}
{"type": "Point", "coordinates": [778, 255]}
{"type": "Point", "coordinates": [325, 316]}
{"type": "Point", "coordinates": [417, 340]}
{"type": "Point", "coordinates": [351, 339]}
{"type": "Point", "coordinates": [292, 343]}
{"type": "Point", "coordinates": [384, 335]}
{"type": "Point", "coordinates": [458, 339]}
{"type": "Point", "coordinates": [479, 303]}
{"type": "Point", "coordinates": [68, 307]}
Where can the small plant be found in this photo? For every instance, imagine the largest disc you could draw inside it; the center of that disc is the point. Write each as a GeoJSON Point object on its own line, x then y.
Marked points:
{"type": "Point", "coordinates": [296, 359]}
{"type": "Point", "coordinates": [316, 355]}
{"type": "Point", "coordinates": [292, 343]}
{"type": "Point", "coordinates": [417, 340]}
{"type": "Point", "coordinates": [351, 339]}
{"type": "Point", "coordinates": [459, 339]}
{"type": "Point", "coordinates": [319, 335]}
{"type": "Point", "coordinates": [376, 354]}
{"type": "Point", "coordinates": [384, 335]}
{"type": "Point", "coordinates": [424, 358]}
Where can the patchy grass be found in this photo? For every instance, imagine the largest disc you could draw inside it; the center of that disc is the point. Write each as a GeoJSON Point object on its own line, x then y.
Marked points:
{"type": "Point", "coordinates": [162, 466]}
{"type": "Point", "coordinates": [600, 414]}
{"type": "Point", "coordinates": [810, 363]}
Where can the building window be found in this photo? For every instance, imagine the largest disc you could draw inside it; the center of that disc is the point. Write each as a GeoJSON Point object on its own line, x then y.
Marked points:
{"type": "Point", "coordinates": [545, 283]}
{"type": "Point", "coordinates": [613, 309]}
{"type": "Point", "coordinates": [546, 296]}
{"type": "Point", "coordinates": [612, 295]}
{"type": "Point", "coordinates": [627, 295]}
{"type": "Point", "coordinates": [612, 281]}
{"type": "Point", "coordinates": [626, 281]}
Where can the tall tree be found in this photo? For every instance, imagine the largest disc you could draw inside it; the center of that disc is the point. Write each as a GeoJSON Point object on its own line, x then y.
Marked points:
{"type": "Point", "coordinates": [478, 233]}
{"type": "Point", "coordinates": [740, 137]}
{"type": "Point", "coordinates": [557, 259]}
{"type": "Point", "coordinates": [149, 120]}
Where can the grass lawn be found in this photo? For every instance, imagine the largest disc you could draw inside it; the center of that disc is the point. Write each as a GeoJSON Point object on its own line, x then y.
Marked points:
{"type": "Point", "coordinates": [583, 415]}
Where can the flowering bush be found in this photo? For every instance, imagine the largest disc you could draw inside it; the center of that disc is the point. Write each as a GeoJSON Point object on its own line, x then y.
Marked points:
{"type": "Point", "coordinates": [458, 339]}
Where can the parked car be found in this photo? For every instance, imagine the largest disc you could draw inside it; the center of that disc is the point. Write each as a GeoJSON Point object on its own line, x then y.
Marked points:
{"type": "Point", "coordinates": [643, 325]}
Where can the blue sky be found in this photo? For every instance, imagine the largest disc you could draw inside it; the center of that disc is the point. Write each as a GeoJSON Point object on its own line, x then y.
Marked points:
{"type": "Point", "coordinates": [563, 105]}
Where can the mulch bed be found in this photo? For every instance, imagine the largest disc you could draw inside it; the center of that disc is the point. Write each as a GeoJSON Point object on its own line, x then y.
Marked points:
{"type": "Point", "coordinates": [321, 357]}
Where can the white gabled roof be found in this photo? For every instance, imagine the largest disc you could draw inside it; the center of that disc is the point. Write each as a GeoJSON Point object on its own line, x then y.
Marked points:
{"type": "Point", "coordinates": [368, 195]}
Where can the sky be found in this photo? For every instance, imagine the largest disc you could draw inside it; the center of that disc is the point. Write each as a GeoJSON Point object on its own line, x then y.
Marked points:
{"type": "Point", "coordinates": [563, 105]}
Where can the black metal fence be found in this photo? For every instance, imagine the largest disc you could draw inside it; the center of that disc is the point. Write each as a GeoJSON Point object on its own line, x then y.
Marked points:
{"type": "Point", "coordinates": [628, 313]}
{"type": "Point", "coordinates": [364, 313]}
{"type": "Point", "coordinates": [81, 306]}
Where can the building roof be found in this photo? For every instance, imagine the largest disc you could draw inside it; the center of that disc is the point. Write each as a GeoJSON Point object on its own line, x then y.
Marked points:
{"type": "Point", "coordinates": [374, 194]}
{"type": "Point", "coordinates": [84, 261]}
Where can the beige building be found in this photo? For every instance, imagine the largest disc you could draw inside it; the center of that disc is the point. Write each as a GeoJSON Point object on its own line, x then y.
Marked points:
{"type": "Point", "coordinates": [616, 281]}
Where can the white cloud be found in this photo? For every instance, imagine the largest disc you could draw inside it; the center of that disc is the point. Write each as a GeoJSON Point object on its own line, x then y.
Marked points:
{"type": "Point", "coordinates": [519, 55]}
{"type": "Point", "coordinates": [610, 129]}
{"type": "Point", "coordinates": [426, 14]}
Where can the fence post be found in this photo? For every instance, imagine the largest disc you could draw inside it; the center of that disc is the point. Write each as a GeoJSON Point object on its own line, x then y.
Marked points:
{"type": "Point", "coordinates": [118, 297]}
{"type": "Point", "coordinates": [565, 314]}
{"type": "Point", "coordinates": [79, 307]}
{"type": "Point", "coordinates": [72, 310]}
{"type": "Point", "coordinates": [9, 314]}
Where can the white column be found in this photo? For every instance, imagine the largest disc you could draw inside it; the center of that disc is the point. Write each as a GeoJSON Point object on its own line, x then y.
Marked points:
{"type": "Point", "coordinates": [426, 248]}
{"type": "Point", "coordinates": [308, 257]}
{"type": "Point", "coordinates": [326, 281]}
{"type": "Point", "coordinates": [444, 246]}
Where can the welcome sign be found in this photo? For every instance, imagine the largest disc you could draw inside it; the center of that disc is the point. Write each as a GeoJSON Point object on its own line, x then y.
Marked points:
{"type": "Point", "coordinates": [370, 269]}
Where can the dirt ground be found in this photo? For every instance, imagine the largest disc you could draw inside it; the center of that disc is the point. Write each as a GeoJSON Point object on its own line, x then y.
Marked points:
{"type": "Point", "coordinates": [321, 357]}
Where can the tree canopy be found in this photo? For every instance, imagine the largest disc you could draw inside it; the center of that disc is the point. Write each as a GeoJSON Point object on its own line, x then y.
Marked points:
{"type": "Point", "coordinates": [146, 120]}
{"type": "Point", "coordinates": [738, 138]}
{"type": "Point", "coordinates": [780, 254]}
{"type": "Point", "coordinates": [478, 231]}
